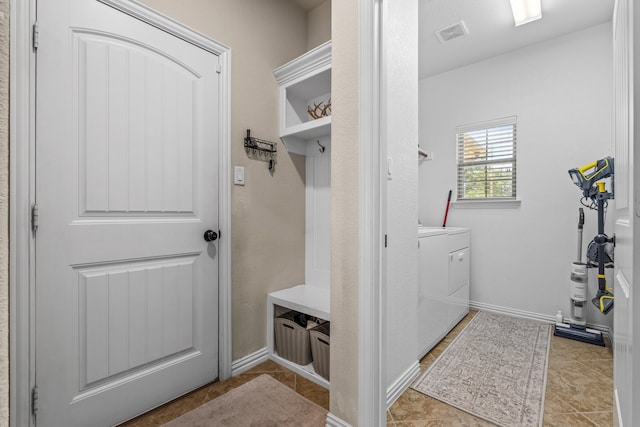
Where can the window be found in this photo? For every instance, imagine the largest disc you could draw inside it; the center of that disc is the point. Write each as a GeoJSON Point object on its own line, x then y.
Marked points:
{"type": "Point", "coordinates": [487, 160]}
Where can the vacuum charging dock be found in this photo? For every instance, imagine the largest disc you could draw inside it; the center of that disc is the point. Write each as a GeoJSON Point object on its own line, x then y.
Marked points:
{"type": "Point", "coordinates": [586, 335]}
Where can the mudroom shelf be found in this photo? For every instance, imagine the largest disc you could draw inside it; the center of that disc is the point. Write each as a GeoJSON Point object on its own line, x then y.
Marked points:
{"type": "Point", "coordinates": [311, 300]}
{"type": "Point", "coordinates": [305, 88]}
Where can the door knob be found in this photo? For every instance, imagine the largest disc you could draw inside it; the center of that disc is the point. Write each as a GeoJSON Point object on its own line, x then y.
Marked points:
{"type": "Point", "coordinates": [210, 235]}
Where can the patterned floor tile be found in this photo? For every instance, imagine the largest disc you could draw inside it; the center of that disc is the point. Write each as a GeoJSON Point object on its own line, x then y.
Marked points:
{"type": "Point", "coordinates": [579, 391]}
{"type": "Point", "coordinates": [312, 391]}
{"type": "Point", "coordinates": [567, 420]}
{"type": "Point", "coordinates": [601, 419]}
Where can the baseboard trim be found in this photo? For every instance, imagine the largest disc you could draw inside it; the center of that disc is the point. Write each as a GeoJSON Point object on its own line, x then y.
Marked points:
{"type": "Point", "coordinates": [396, 389]}
{"type": "Point", "coordinates": [617, 416]}
{"type": "Point", "coordinates": [249, 361]}
{"type": "Point", "coordinates": [511, 312]}
{"type": "Point", "coordinates": [333, 421]}
{"type": "Point", "coordinates": [530, 315]}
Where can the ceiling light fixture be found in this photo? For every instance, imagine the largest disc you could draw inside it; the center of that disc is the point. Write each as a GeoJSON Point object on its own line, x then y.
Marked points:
{"type": "Point", "coordinates": [525, 11]}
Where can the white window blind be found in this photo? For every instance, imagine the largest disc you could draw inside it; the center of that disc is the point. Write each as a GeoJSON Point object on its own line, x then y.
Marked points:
{"type": "Point", "coordinates": [487, 160]}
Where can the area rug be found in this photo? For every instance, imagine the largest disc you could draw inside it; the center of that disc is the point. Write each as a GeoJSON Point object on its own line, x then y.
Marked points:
{"type": "Point", "coordinates": [263, 402]}
{"type": "Point", "coordinates": [495, 369]}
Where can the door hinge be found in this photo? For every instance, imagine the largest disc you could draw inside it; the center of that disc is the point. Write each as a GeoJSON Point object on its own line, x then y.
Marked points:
{"type": "Point", "coordinates": [34, 217]}
{"type": "Point", "coordinates": [34, 400]}
{"type": "Point", "coordinates": [385, 240]}
{"type": "Point", "coordinates": [35, 36]}
{"type": "Point", "coordinates": [218, 69]}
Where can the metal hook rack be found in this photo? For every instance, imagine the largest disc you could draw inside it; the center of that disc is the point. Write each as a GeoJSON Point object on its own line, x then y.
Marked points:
{"type": "Point", "coordinates": [259, 144]}
{"type": "Point", "coordinates": [260, 147]}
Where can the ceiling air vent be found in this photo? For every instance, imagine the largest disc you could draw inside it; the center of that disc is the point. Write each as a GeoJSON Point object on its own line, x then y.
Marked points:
{"type": "Point", "coordinates": [452, 32]}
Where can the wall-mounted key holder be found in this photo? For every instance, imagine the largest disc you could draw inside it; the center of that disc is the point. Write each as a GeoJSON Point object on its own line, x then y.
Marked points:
{"type": "Point", "coordinates": [259, 149]}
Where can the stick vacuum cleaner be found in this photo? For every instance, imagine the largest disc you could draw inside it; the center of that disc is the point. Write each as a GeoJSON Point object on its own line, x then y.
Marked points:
{"type": "Point", "coordinates": [576, 329]}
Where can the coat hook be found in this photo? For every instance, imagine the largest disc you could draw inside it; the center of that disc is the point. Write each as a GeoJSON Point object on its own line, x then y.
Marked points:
{"type": "Point", "coordinates": [322, 148]}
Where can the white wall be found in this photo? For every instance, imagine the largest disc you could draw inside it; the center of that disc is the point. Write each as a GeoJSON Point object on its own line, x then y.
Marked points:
{"type": "Point", "coordinates": [561, 92]}
{"type": "Point", "coordinates": [345, 251]}
{"type": "Point", "coordinates": [319, 25]}
{"type": "Point", "coordinates": [400, 89]}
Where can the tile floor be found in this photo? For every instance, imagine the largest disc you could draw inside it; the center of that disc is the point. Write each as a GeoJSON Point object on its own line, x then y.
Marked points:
{"type": "Point", "coordinates": [579, 391]}
{"type": "Point", "coordinates": [174, 409]}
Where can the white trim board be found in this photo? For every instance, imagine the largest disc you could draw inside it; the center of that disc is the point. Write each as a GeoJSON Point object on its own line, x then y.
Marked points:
{"type": "Point", "coordinates": [317, 58]}
{"type": "Point", "coordinates": [21, 197]}
{"type": "Point", "coordinates": [166, 24]}
{"type": "Point", "coordinates": [617, 416]}
{"type": "Point", "coordinates": [249, 361]}
{"type": "Point", "coordinates": [396, 389]}
{"type": "Point", "coordinates": [22, 194]}
{"type": "Point", "coordinates": [224, 220]}
{"type": "Point", "coordinates": [333, 421]}
{"type": "Point", "coordinates": [512, 312]}
{"type": "Point", "coordinates": [372, 270]}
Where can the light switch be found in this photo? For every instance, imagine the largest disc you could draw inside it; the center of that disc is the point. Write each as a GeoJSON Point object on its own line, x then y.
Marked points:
{"type": "Point", "coordinates": [238, 175]}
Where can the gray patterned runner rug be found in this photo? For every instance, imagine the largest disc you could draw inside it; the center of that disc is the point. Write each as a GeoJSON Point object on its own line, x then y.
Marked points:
{"type": "Point", "coordinates": [496, 369]}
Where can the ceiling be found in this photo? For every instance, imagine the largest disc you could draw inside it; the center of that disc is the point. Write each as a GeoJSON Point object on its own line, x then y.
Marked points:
{"type": "Point", "coordinates": [492, 31]}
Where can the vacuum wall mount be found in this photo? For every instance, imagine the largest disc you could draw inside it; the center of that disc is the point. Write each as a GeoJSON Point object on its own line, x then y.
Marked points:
{"type": "Point", "coordinates": [590, 179]}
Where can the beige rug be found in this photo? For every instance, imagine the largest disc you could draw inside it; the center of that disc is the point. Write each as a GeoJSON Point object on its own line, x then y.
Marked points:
{"type": "Point", "coordinates": [262, 402]}
{"type": "Point", "coordinates": [496, 369]}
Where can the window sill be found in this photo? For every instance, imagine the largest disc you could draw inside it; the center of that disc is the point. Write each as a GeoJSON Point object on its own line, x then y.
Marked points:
{"type": "Point", "coordinates": [486, 204]}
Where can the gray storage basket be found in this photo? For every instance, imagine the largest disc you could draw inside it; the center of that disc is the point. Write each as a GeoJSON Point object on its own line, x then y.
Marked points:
{"type": "Point", "coordinates": [292, 340]}
{"type": "Point", "coordinates": [320, 342]}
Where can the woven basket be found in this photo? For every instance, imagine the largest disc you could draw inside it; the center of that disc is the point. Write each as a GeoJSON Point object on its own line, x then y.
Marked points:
{"type": "Point", "coordinates": [292, 340]}
{"type": "Point", "coordinates": [320, 342]}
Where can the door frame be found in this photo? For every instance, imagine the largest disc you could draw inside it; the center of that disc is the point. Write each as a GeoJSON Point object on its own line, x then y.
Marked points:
{"type": "Point", "coordinates": [372, 389]}
{"type": "Point", "coordinates": [22, 62]}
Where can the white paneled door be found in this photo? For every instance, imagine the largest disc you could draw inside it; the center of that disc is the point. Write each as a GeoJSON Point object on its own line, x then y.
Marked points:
{"type": "Point", "coordinates": [627, 216]}
{"type": "Point", "coordinates": [126, 184]}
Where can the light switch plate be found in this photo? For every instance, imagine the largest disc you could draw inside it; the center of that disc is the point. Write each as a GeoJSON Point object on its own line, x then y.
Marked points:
{"type": "Point", "coordinates": [238, 175]}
